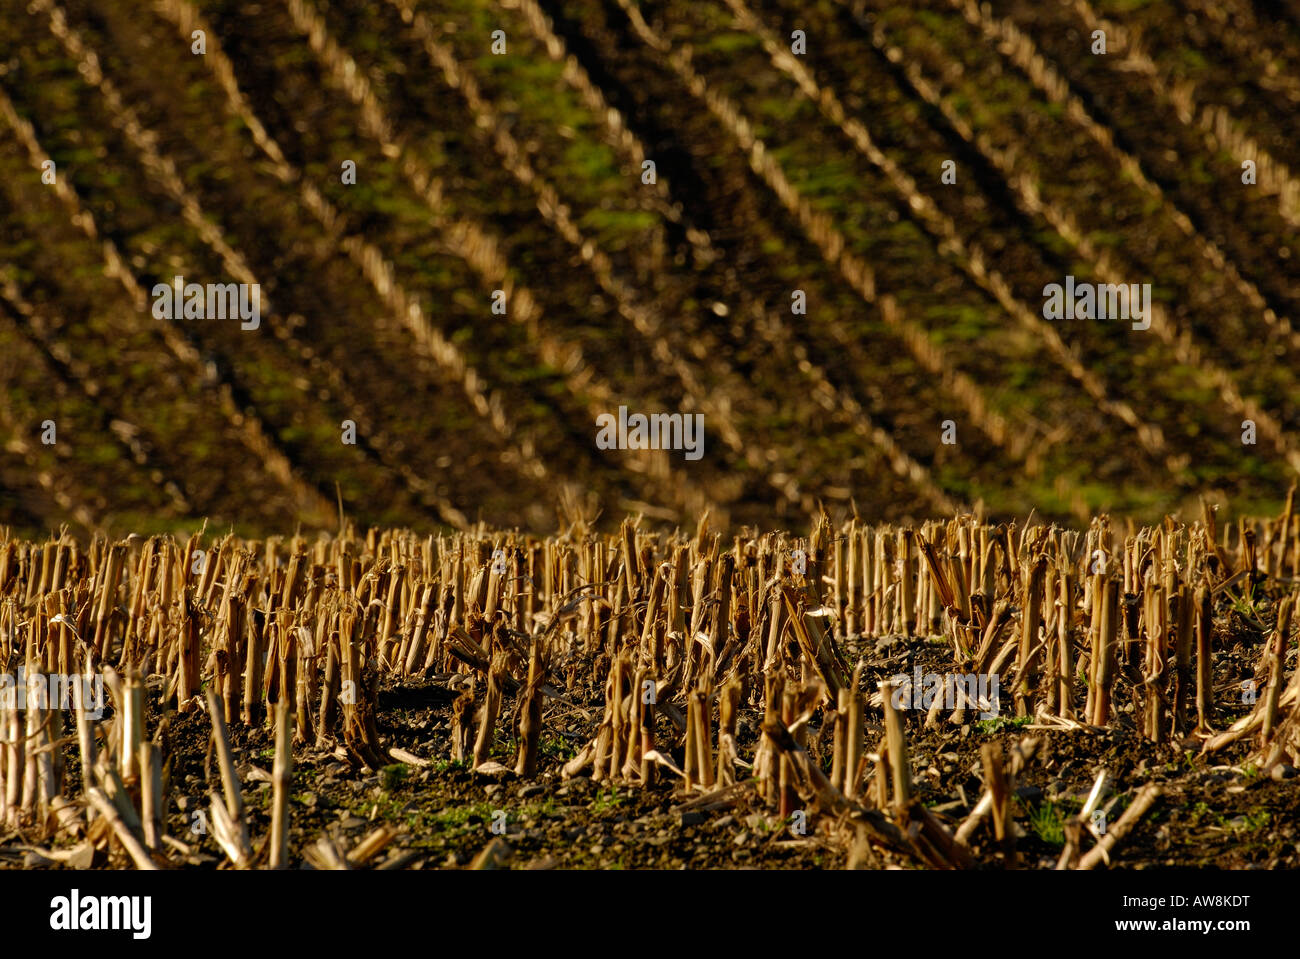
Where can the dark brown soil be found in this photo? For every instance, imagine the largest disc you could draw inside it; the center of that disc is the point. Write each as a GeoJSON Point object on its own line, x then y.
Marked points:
{"type": "Point", "coordinates": [1214, 812]}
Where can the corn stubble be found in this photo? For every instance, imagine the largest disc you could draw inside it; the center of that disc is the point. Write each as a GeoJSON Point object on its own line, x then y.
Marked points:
{"type": "Point", "coordinates": [699, 645]}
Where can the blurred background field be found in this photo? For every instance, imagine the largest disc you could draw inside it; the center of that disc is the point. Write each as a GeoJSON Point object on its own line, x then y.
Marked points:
{"type": "Point", "coordinates": [525, 172]}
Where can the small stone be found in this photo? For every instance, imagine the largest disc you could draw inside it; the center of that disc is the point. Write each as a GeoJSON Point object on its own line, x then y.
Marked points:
{"type": "Point", "coordinates": [82, 857]}
{"type": "Point", "coordinates": [741, 838]}
{"type": "Point", "coordinates": [309, 798]}
{"type": "Point", "coordinates": [724, 822]}
{"type": "Point", "coordinates": [493, 770]}
{"type": "Point", "coordinates": [534, 789]}
{"type": "Point", "coordinates": [692, 818]}
{"type": "Point", "coordinates": [1282, 771]}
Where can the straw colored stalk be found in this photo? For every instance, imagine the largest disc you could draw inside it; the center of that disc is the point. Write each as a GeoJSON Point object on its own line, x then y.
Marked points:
{"type": "Point", "coordinates": [187, 675]}
{"type": "Point", "coordinates": [1182, 657]}
{"type": "Point", "coordinates": [15, 747]}
{"type": "Point", "coordinates": [130, 841]}
{"type": "Point", "coordinates": [1104, 651]}
{"type": "Point", "coordinates": [878, 791]}
{"type": "Point", "coordinates": [281, 781]}
{"type": "Point", "coordinates": [998, 784]}
{"type": "Point", "coordinates": [488, 713]}
{"type": "Point", "coordinates": [370, 847]}
{"type": "Point", "coordinates": [462, 709]}
{"type": "Point", "coordinates": [330, 687]}
{"type": "Point", "coordinates": [1064, 646]}
{"type": "Point", "coordinates": [635, 700]}
{"type": "Point", "coordinates": [107, 590]}
{"type": "Point", "coordinates": [816, 647]}
{"type": "Point", "coordinates": [1154, 669]}
{"type": "Point", "coordinates": [1277, 665]}
{"type": "Point", "coordinates": [387, 638]}
{"type": "Point", "coordinates": [1030, 621]}
{"type": "Point", "coordinates": [766, 762]}
{"type": "Point", "coordinates": [31, 775]}
{"type": "Point", "coordinates": [853, 611]}
{"type": "Point", "coordinates": [618, 703]}
{"type": "Point", "coordinates": [360, 736]}
{"type": "Point", "coordinates": [703, 734]}
{"type": "Point", "coordinates": [85, 732]}
{"type": "Point", "coordinates": [853, 735]}
{"type": "Point", "coordinates": [424, 617]}
{"type": "Point", "coordinates": [785, 780]}
{"type": "Point", "coordinates": [691, 761]}
{"type": "Point", "coordinates": [1142, 802]}
{"type": "Point", "coordinates": [132, 728]}
{"type": "Point", "coordinates": [839, 719]}
{"type": "Point", "coordinates": [728, 710]}
{"type": "Point", "coordinates": [896, 743]}
{"type": "Point", "coordinates": [776, 620]}
{"type": "Point", "coordinates": [530, 721]}
{"type": "Point", "coordinates": [228, 826]}
{"type": "Point", "coordinates": [907, 582]}
{"type": "Point", "coordinates": [1204, 664]}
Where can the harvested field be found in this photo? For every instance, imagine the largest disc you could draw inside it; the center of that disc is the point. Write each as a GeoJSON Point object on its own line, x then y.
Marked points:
{"type": "Point", "coordinates": [676, 435]}
{"type": "Point", "coordinates": [646, 699]}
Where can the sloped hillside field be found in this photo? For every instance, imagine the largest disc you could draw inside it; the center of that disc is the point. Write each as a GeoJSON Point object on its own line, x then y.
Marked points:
{"type": "Point", "coordinates": [256, 258]}
{"type": "Point", "coordinates": [952, 695]}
